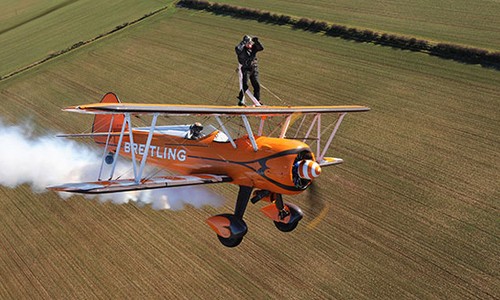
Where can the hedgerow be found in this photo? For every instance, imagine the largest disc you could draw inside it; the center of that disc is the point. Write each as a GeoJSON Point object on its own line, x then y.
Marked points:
{"type": "Point", "coordinates": [448, 51]}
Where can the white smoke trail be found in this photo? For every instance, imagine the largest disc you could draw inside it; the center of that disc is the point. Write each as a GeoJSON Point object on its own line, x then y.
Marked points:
{"type": "Point", "coordinates": [47, 160]}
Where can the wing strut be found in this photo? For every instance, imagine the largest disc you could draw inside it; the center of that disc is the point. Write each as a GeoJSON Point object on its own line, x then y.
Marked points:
{"type": "Point", "coordinates": [261, 125]}
{"type": "Point", "coordinates": [138, 169]}
{"type": "Point", "coordinates": [321, 151]}
{"type": "Point", "coordinates": [319, 135]}
{"type": "Point", "coordinates": [332, 135]}
{"type": "Point", "coordinates": [148, 143]}
{"type": "Point", "coordinates": [300, 125]}
{"type": "Point", "coordinates": [250, 133]}
{"type": "Point", "coordinates": [285, 126]}
{"type": "Point", "coordinates": [118, 147]}
{"type": "Point", "coordinates": [225, 131]}
{"type": "Point", "coordinates": [132, 150]}
{"type": "Point", "coordinates": [310, 128]}
{"type": "Point", "coordinates": [106, 147]}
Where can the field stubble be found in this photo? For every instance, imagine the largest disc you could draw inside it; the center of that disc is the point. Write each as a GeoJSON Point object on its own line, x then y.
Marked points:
{"type": "Point", "coordinates": [31, 31]}
{"type": "Point", "coordinates": [473, 23]}
{"type": "Point", "coordinates": [412, 213]}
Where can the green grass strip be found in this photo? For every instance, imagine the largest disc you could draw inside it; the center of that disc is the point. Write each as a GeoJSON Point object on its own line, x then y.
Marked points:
{"type": "Point", "coordinates": [455, 52]}
{"type": "Point", "coordinates": [81, 43]}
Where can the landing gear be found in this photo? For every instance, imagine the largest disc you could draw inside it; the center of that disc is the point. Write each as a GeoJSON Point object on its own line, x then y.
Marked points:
{"type": "Point", "coordinates": [282, 211]}
{"type": "Point", "coordinates": [286, 227]}
{"type": "Point", "coordinates": [295, 216]}
{"type": "Point", "coordinates": [286, 217]}
{"type": "Point", "coordinates": [231, 228]}
{"type": "Point", "coordinates": [230, 242]}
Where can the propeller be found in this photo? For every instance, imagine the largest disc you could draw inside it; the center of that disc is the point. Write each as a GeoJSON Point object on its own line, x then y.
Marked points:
{"type": "Point", "coordinates": [305, 172]}
{"type": "Point", "coordinates": [318, 209]}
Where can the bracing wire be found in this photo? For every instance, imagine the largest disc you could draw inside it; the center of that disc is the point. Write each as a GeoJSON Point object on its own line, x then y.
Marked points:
{"type": "Point", "coordinates": [273, 94]}
{"type": "Point", "coordinates": [225, 87]}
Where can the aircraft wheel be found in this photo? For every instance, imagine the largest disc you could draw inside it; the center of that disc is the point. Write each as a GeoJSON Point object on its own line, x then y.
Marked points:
{"type": "Point", "coordinates": [286, 227]}
{"type": "Point", "coordinates": [229, 225]}
{"type": "Point", "coordinates": [230, 242]}
{"type": "Point", "coordinates": [296, 215]}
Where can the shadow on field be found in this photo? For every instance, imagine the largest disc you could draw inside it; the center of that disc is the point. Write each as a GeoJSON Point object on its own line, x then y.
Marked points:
{"type": "Point", "coordinates": [42, 14]}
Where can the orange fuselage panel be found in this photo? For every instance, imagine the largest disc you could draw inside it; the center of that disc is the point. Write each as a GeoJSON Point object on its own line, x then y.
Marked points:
{"type": "Point", "coordinates": [268, 168]}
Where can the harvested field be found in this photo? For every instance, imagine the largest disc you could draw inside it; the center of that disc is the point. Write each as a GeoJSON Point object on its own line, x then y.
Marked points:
{"type": "Point", "coordinates": [31, 30]}
{"type": "Point", "coordinates": [413, 212]}
{"type": "Point", "coordinates": [459, 22]}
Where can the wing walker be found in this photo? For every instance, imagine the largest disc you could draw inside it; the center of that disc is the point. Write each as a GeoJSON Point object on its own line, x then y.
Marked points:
{"type": "Point", "coordinates": [265, 167]}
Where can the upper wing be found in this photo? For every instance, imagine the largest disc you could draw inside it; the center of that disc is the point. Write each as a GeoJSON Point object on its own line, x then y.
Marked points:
{"type": "Point", "coordinates": [125, 185]}
{"type": "Point", "coordinates": [213, 110]}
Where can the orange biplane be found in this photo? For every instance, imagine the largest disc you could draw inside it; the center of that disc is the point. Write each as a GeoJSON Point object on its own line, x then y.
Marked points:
{"type": "Point", "coordinates": [272, 166]}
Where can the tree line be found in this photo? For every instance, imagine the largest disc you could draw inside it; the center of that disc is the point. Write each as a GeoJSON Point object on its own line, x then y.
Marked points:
{"type": "Point", "coordinates": [455, 52]}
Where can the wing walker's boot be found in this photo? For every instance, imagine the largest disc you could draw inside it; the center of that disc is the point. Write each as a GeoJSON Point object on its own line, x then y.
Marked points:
{"type": "Point", "coordinates": [241, 98]}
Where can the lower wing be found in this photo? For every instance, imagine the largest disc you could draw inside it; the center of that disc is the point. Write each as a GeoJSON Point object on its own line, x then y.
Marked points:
{"type": "Point", "coordinates": [330, 161]}
{"type": "Point", "coordinates": [126, 185]}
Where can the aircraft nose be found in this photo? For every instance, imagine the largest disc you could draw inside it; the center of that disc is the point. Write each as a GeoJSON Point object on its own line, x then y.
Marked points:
{"type": "Point", "coordinates": [308, 169]}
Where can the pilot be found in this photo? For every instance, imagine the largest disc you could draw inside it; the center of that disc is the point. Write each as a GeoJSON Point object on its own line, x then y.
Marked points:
{"type": "Point", "coordinates": [194, 131]}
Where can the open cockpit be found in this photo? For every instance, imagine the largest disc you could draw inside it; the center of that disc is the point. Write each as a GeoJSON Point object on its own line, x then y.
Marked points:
{"type": "Point", "coordinates": [186, 131]}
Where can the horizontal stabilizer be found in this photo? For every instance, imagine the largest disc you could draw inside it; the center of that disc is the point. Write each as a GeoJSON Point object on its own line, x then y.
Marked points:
{"type": "Point", "coordinates": [330, 161]}
{"type": "Point", "coordinates": [126, 185]}
{"type": "Point", "coordinates": [82, 135]}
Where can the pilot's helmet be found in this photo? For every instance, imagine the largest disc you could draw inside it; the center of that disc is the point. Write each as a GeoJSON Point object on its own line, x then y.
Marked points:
{"type": "Point", "coordinates": [196, 127]}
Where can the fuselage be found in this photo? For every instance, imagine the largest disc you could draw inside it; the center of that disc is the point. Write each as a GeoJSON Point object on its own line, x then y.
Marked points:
{"type": "Point", "coordinates": [268, 168]}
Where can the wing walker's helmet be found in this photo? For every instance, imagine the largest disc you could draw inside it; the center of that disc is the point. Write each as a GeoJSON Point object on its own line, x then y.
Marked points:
{"type": "Point", "coordinates": [247, 40]}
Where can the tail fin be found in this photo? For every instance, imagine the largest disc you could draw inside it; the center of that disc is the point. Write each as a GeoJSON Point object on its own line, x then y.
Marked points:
{"type": "Point", "coordinates": [102, 123]}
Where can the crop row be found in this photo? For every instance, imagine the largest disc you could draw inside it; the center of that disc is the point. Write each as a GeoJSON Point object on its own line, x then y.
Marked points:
{"type": "Point", "coordinates": [80, 43]}
{"type": "Point", "coordinates": [444, 50]}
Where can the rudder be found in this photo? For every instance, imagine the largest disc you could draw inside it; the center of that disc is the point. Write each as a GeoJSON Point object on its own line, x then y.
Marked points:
{"type": "Point", "coordinates": [102, 121]}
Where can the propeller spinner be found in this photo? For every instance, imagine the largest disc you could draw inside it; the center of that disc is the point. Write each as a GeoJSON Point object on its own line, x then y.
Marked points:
{"type": "Point", "coordinates": [308, 169]}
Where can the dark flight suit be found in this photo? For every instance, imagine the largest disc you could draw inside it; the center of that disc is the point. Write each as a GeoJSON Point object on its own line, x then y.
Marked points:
{"type": "Point", "coordinates": [248, 67]}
